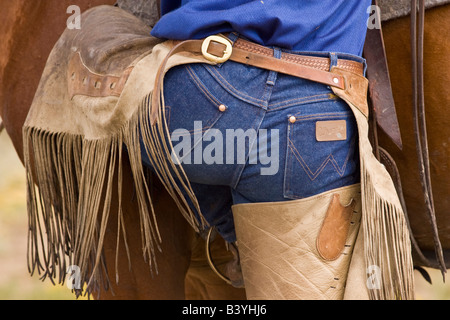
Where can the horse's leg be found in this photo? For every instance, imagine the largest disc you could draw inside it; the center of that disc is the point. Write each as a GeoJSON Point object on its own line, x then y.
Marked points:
{"type": "Point", "coordinates": [135, 278]}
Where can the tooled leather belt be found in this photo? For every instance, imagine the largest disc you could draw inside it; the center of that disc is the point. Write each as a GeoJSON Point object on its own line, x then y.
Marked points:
{"type": "Point", "coordinates": [320, 63]}
{"type": "Point", "coordinates": [219, 49]}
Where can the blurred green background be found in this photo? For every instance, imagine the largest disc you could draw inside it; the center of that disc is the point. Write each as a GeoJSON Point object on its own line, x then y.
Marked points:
{"type": "Point", "coordinates": [17, 284]}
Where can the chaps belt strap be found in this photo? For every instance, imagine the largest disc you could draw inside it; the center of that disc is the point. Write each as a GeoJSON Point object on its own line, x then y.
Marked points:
{"type": "Point", "coordinates": [218, 49]}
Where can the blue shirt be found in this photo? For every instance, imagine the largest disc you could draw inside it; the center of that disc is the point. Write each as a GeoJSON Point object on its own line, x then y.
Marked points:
{"type": "Point", "coordinates": [301, 25]}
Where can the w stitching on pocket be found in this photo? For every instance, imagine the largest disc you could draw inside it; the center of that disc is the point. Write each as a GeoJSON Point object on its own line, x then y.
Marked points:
{"type": "Point", "coordinates": [294, 155]}
{"type": "Point", "coordinates": [313, 175]}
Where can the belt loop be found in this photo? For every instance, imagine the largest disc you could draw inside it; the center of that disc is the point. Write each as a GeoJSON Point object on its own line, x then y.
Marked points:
{"type": "Point", "coordinates": [272, 78]}
{"type": "Point", "coordinates": [333, 60]}
{"type": "Point", "coordinates": [277, 53]}
{"type": "Point", "coordinates": [233, 36]}
{"type": "Point", "coordinates": [365, 66]}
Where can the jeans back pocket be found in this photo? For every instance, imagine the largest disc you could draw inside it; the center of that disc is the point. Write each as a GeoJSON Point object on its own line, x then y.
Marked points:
{"type": "Point", "coordinates": [322, 153]}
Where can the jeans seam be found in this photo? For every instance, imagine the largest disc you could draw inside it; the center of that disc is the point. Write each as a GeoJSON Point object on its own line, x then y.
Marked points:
{"type": "Point", "coordinates": [208, 96]}
{"type": "Point", "coordinates": [317, 116]}
{"type": "Point", "coordinates": [231, 89]}
{"type": "Point", "coordinates": [300, 101]}
{"type": "Point", "coordinates": [201, 86]}
{"type": "Point", "coordinates": [286, 182]}
{"type": "Point", "coordinates": [238, 177]}
{"type": "Point", "coordinates": [168, 111]}
{"type": "Point", "coordinates": [209, 125]}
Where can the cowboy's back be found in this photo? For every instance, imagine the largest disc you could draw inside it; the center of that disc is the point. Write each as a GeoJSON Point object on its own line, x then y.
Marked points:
{"type": "Point", "coordinates": [328, 26]}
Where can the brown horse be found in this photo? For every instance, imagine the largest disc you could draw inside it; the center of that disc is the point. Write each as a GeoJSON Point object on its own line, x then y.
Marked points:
{"type": "Point", "coordinates": [30, 30]}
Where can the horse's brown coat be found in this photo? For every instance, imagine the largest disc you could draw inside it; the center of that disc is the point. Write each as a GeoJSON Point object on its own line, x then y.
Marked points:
{"type": "Point", "coordinates": [437, 99]}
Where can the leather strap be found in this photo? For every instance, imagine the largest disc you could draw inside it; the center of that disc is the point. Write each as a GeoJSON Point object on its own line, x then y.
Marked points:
{"type": "Point", "coordinates": [420, 128]}
{"type": "Point", "coordinates": [249, 57]}
{"type": "Point", "coordinates": [381, 99]}
{"type": "Point", "coordinates": [380, 89]}
{"type": "Point", "coordinates": [321, 63]}
{"type": "Point", "coordinates": [282, 66]}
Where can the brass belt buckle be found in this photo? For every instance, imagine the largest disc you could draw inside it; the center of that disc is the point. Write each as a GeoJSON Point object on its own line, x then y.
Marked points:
{"type": "Point", "coordinates": [226, 53]}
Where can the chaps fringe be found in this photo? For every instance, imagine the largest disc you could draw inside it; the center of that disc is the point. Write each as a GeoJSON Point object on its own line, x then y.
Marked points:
{"type": "Point", "coordinates": [70, 181]}
{"type": "Point", "coordinates": [387, 243]}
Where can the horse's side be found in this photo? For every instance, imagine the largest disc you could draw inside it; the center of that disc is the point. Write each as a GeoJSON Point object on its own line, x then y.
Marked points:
{"type": "Point", "coordinates": [30, 30]}
{"type": "Point", "coordinates": [437, 99]}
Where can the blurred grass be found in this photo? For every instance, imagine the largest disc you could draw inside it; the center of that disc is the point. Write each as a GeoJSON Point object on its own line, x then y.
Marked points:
{"type": "Point", "coordinates": [15, 281]}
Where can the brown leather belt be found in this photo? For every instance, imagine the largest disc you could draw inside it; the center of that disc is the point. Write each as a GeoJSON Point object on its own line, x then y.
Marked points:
{"type": "Point", "coordinates": [309, 61]}
{"type": "Point", "coordinates": [219, 49]}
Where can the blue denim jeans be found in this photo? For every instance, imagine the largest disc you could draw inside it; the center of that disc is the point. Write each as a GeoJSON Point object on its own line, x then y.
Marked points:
{"type": "Point", "coordinates": [244, 134]}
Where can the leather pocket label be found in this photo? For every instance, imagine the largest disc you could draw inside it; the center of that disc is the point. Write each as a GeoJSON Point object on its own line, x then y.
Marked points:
{"type": "Point", "coordinates": [335, 130]}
